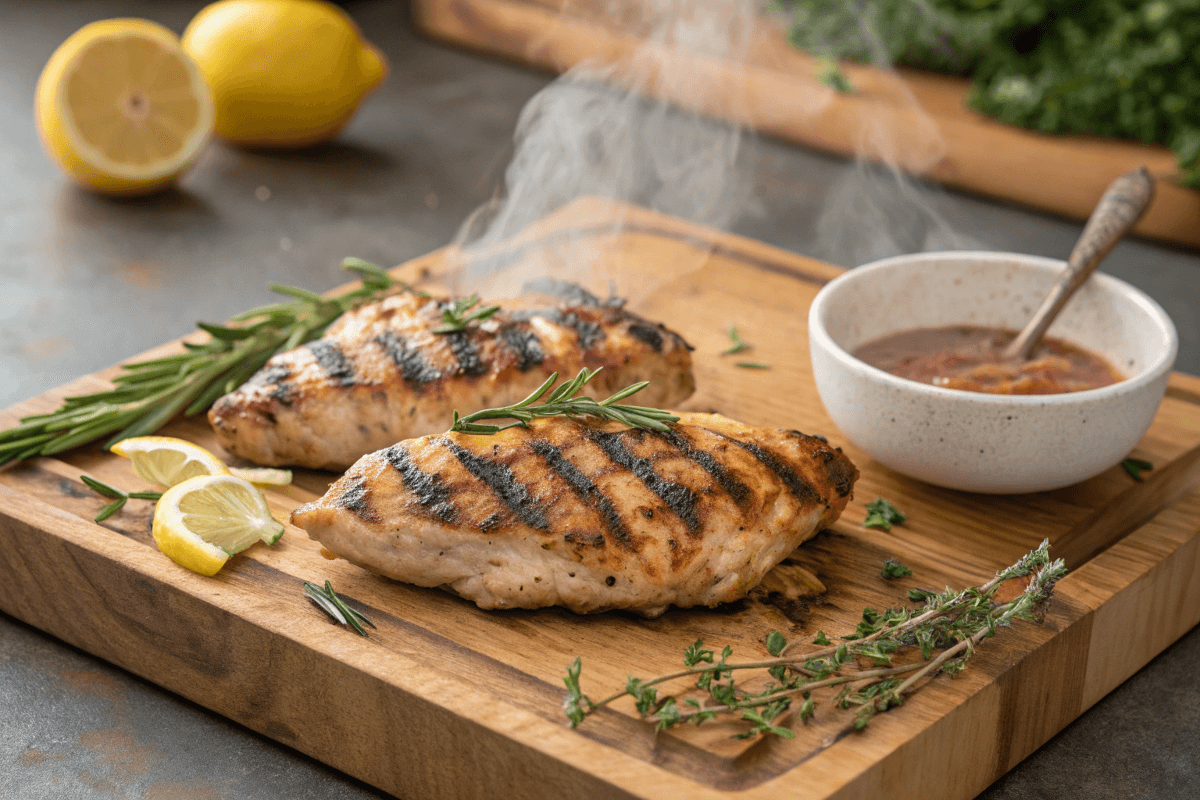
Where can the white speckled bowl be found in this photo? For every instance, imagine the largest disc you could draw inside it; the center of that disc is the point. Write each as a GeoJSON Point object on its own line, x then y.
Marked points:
{"type": "Point", "coordinates": [997, 444]}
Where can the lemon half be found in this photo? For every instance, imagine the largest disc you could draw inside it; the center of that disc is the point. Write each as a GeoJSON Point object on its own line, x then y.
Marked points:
{"type": "Point", "coordinates": [168, 461]}
{"type": "Point", "coordinates": [122, 108]}
{"type": "Point", "coordinates": [203, 521]}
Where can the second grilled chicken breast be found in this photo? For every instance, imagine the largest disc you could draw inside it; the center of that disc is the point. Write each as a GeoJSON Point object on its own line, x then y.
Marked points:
{"type": "Point", "coordinates": [381, 374]}
{"type": "Point", "coordinates": [584, 513]}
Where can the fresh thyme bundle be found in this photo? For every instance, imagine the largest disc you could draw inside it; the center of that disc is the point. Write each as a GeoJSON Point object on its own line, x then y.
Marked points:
{"type": "Point", "coordinates": [953, 623]}
{"type": "Point", "coordinates": [1119, 68]}
{"type": "Point", "coordinates": [150, 393]}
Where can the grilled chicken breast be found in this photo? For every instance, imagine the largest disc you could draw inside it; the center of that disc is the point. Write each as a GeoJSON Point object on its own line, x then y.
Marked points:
{"type": "Point", "coordinates": [585, 513]}
{"type": "Point", "coordinates": [381, 374]}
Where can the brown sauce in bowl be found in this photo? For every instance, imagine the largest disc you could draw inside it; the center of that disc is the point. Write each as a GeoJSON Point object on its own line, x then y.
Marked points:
{"type": "Point", "coordinates": [968, 358]}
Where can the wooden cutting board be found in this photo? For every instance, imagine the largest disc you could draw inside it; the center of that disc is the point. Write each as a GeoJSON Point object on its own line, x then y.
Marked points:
{"type": "Point", "coordinates": [447, 701]}
{"type": "Point", "coordinates": [916, 120]}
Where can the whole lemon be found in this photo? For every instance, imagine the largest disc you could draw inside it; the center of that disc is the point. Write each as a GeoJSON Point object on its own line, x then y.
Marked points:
{"type": "Point", "coordinates": [283, 73]}
{"type": "Point", "coordinates": [121, 108]}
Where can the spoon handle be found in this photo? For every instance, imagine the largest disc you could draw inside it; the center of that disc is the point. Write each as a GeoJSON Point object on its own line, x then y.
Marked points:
{"type": "Point", "coordinates": [1122, 205]}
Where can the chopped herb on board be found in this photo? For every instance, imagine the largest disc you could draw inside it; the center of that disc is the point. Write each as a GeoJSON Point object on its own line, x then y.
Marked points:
{"type": "Point", "coordinates": [753, 365]}
{"type": "Point", "coordinates": [882, 514]}
{"type": "Point", "coordinates": [1135, 467]}
{"type": "Point", "coordinates": [894, 569]}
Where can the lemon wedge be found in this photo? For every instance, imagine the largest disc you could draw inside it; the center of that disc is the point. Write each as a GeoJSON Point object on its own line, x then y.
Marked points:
{"type": "Point", "coordinates": [203, 521]}
{"type": "Point", "coordinates": [122, 108]}
{"type": "Point", "coordinates": [168, 461]}
{"type": "Point", "coordinates": [264, 477]}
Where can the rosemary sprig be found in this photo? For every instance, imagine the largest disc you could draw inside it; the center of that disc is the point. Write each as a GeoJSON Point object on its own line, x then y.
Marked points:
{"type": "Point", "coordinates": [562, 402]}
{"type": "Point", "coordinates": [326, 599]}
{"type": "Point", "coordinates": [882, 514]}
{"type": "Point", "coordinates": [738, 345]}
{"type": "Point", "coordinates": [954, 623]}
{"type": "Point", "coordinates": [104, 490]}
{"type": "Point", "coordinates": [457, 318]}
{"type": "Point", "coordinates": [150, 393]}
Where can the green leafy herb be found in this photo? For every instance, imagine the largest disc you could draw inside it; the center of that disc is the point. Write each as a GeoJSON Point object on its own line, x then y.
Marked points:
{"type": "Point", "coordinates": [120, 498]}
{"type": "Point", "coordinates": [562, 402]}
{"type": "Point", "coordinates": [882, 514]}
{"type": "Point", "coordinates": [326, 599]}
{"type": "Point", "coordinates": [738, 345]}
{"type": "Point", "coordinates": [1119, 69]}
{"type": "Point", "coordinates": [457, 318]}
{"type": "Point", "coordinates": [954, 623]}
{"type": "Point", "coordinates": [830, 74]}
{"type": "Point", "coordinates": [894, 569]}
{"type": "Point", "coordinates": [149, 393]}
{"type": "Point", "coordinates": [1135, 467]}
{"type": "Point", "coordinates": [752, 365]}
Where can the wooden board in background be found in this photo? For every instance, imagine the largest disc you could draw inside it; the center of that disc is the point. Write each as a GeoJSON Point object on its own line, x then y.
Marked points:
{"type": "Point", "coordinates": [911, 118]}
{"type": "Point", "coordinates": [447, 701]}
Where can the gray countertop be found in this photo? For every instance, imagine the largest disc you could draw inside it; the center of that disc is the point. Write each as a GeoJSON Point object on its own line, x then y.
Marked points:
{"type": "Point", "coordinates": [86, 281]}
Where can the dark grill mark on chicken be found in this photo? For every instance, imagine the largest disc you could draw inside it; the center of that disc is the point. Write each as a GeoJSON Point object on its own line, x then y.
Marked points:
{"type": "Point", "coordinates": [525, 345]}
{"type": "Point", "coordinates": [739, 491]}
{"type": "Point", "coordinates": [587, 491]}
{"type": "Point", "coordinates": [275, 374]}
{"type": "Point", "coordinates": [355, 498]}
{"type": "Point", "coordinates": [431, 493]}
{"type": "Point", "coordinates": [500, 479]}
{"type": "Point", "coordinates": [283, 393]}
{"type": "Point", "coordinates": [680, 499]}
{"type": "Point", "coordinates": [570, 293]}
{"type": "Point", "coordinates": [648, 334]}
{"type": "Point", "coordinates": [333, 361]}
{"type": "Point", "coordinates": [466, 352]}
{"type": "Point", "coordinates": [414, 369]}
{"type": "Point", "coordinates": [804, 493]}
{"type": "Point", "coordinates": [589, 332]}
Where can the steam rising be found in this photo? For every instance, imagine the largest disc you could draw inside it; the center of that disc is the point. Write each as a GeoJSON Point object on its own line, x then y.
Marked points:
{"type": "Point", "coordinates": [651, 144]}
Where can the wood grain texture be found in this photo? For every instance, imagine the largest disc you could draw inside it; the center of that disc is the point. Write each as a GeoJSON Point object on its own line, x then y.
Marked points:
{"type": "Point", "coordinates": [914, 119]}
{"type": "Point", "coordinates": [445, 700]}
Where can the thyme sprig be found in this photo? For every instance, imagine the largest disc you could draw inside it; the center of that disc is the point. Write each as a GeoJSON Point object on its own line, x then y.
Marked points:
{"type": "Point", "coordinates": [562, 402]}
{"type": "Point", "coordinates": [120, 497]}
{"type": "Point", "coordinates": [456, 317]}
{"type": "Point", "coordinates": [149, 393]}
{"type": "Point", "coordinates": [326, 599]}
{"type": "Point", "coordinates": [951, 622]}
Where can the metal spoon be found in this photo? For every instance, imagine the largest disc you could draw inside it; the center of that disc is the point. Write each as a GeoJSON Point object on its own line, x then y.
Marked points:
{"type": "Point", "coordinates": [1122, 205]}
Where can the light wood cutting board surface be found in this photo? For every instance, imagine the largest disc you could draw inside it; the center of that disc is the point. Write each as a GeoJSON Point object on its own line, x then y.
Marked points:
{"type": "Point", "coordinates": [445, 700]}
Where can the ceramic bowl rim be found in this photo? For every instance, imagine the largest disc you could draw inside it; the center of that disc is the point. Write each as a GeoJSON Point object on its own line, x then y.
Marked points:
{"type": "Point", "coordinates": [1153, 371]}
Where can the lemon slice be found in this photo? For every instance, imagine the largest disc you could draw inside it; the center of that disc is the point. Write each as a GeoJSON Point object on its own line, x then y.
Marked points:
{"type": "Point", "coordinates": [122, 108]}
{"type": "Point", "coordinates": [264, 477]}
{"type": "Point", "coordinates": [168, 461]}
{"type": "Point", "coordinates": [203, 521]}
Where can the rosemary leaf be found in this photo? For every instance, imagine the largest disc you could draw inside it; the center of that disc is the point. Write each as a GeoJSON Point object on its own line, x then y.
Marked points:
{"type": "Point", "coordinates": [457, 318]}
{"type": "Point", "coordinates": [110, 509]}
{"type": "Point", "coordinates": [752, 365]}
{"type": "Point", "coordinates": [1135, 467]}
{"type": "Point", "coordinates": [325, 598]}
{"type": "Point", "coordinates": [738, 345]}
